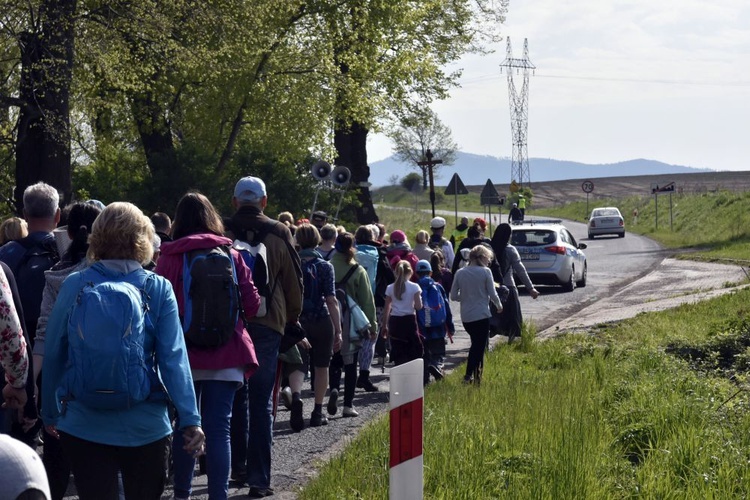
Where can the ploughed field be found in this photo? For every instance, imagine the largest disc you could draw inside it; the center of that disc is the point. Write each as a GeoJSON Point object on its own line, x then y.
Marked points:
{"type": "Point", "coordinates": [555, 193]}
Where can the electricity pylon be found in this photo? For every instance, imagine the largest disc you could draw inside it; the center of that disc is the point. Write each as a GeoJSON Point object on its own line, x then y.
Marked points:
{"type": "Point", "coordinates": [519, 113]}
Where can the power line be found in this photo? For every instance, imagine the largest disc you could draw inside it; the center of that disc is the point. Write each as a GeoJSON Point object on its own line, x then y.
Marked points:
{"type": "Point", "coordinates": [489, 77]}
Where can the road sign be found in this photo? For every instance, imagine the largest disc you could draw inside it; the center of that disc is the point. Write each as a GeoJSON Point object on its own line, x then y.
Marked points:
{"type": "Point", "coordinates": [456, 186]}
{"type": "Point", "coordinates": [666, 188]}
{"type": "Point", "coordinates": [489, 195]}
{"type": "Point", "coordinates": [587, 186]}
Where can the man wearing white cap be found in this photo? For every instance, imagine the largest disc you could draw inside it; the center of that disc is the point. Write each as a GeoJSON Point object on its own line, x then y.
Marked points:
{"type": "Point", "coordinates": [438, 241]}
{"type": "Point", "coordinates": [284, 305]}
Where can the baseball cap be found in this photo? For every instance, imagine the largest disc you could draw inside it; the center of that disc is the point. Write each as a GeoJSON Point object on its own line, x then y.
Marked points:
{"type": "Point", "coordinates": [21, 469]}
{"type": "Point", "coordinates": [423, 266]}
{"type": "Point", "coordinates": [250, 189]}
{"type": "Point", "coordinates": [437, 223]}
{"type": "Point", "coordinates": [398, 236]}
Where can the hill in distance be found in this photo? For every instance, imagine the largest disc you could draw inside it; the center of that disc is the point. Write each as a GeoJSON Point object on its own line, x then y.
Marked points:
{"type": "Point", "coordinates": [476, 169]}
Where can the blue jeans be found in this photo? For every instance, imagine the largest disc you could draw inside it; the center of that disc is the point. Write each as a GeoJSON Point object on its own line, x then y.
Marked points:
{"type": "Point", "coordinates": [260, 406]}
{"type": "Point", "coordinates": [215, 402]}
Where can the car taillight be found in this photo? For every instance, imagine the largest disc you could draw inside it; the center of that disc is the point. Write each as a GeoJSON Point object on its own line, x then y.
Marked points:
{"type": "Point", "coordinates": [556, 249]}
{"type": "Point", "coordinates": [622, 222]}
{"type": "Point", "coordinates": [593, 223]}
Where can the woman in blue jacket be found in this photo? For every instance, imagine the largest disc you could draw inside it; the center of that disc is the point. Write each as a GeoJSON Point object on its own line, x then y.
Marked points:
{"type": "Point", "coordinates": [133, 440]}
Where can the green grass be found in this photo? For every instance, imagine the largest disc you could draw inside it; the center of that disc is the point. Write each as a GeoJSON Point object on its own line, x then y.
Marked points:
{"type": "Point", "coordinates": [652, 407]}
{"type": "Point", "coordinates": [613, 414]}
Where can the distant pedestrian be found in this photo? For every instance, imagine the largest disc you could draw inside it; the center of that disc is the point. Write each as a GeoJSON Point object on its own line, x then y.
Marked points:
{"type": "Point", "coordinates": [459, 233]}
{"type": "Point", "coordinates": [474, 288]}
{"type": "Point", "coordinates": [435, 321]}
{"type": "Point", "coordinates": [515, 216]}
{"type": "Point", "coordinates": [421, 248]}
{"type": "Point", "coordinates": [439, 242]}
{"type": "Point", "coordinates": [522, 206]}
{"type": "Point", "coordinates": [509, 264]}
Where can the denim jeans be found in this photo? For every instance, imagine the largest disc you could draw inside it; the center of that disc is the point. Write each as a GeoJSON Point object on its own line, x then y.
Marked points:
{"type": "Point", "coordinates": [260, 406]}
{"type": "Point", "coordinates": [215, 403]}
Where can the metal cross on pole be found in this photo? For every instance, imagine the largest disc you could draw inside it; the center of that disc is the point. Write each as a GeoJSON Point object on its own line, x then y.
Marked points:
{"type": "Point", "coordinates": [430, 163]}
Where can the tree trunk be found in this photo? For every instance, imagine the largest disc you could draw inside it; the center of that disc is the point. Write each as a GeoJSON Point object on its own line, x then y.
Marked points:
{"type": "Point", "coordinates": [155, 132]}
{"type": "Point", "coordinates": [351, 152]}
{"type": "Point", "coordinates": [43, 139]}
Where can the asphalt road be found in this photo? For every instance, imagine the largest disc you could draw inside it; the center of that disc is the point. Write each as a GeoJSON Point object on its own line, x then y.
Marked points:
{"type": "Point", "coordinates": [617, 268]}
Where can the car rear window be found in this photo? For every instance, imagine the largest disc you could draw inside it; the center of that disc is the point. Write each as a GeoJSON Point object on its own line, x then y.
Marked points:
{"type": "Point", "coordinates": [535, 237]}
{"type": "Point", "coordinates": [610, 212]}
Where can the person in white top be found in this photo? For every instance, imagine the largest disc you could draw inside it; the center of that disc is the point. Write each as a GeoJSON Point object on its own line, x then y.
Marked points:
{"type": "Point", "coordinates": [474, 288]}
{"type": "Point", "coordinates": [403, 299]}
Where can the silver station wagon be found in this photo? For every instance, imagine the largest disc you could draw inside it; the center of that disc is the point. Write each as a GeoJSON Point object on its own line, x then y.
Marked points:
{"type": "Point", "coordinates": [550, 253]}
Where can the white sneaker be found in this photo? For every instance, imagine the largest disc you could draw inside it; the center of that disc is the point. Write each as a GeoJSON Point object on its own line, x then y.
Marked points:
{"type": "Point", "coordinates": [286, 397]}
{"type": "Point", "coordinates": [349, 411]}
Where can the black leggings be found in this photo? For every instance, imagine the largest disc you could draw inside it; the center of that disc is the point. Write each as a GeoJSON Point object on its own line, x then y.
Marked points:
{"type": "Point", "coordinates": [406, 345]}
{"type": "Point", "coordinates": [479, 332]}
{"type": "Point", "coordinates": [95, 467]}
{"type": "Point", "coordinates": [350, 376]}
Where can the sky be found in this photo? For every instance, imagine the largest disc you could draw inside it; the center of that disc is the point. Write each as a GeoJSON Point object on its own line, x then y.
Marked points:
{"type": "Point", "coordinates": [665, 80]}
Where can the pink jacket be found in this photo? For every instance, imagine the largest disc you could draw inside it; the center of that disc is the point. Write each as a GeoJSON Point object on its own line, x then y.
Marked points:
{"type": "Point", "coordinates": [239, 351]}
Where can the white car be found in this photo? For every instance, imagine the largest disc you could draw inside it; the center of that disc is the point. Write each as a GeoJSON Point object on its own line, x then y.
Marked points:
{"type": "Point", "coordinates": [550, 254]}
{"type": "Point", "coordinates": [606, 220]}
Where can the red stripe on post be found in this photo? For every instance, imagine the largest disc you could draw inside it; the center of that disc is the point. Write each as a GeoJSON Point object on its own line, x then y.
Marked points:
{"type": "Point", "coordinates": [406, 432]}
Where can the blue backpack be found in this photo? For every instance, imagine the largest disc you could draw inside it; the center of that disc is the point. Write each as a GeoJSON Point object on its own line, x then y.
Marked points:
{"type": "Point", "coordinates": [211, 297]}
{"type": "Point", "coordinates": [107, 327]}
{"type": "Point", "coordinates": [433, 312]}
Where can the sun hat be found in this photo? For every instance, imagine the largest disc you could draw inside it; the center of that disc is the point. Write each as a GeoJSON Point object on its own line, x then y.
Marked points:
{"type": "Point", "coordinates": [250, 189]}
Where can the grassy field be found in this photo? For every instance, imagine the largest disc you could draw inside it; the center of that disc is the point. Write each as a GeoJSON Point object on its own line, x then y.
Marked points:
{"type": "Point", "coordinates": [652, 407]}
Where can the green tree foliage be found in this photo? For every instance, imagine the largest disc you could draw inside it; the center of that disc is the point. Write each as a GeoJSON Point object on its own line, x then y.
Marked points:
{"type": "Point", "coordinates": [411, 182]}
{"type": "Point", "coordinates": [167, 95]}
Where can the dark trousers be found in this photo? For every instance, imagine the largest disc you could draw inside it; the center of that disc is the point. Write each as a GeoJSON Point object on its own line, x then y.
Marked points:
{"type": "Point", "coordinates": [350, 377]}
{"type": "Point", "coordinates": [406, 345]}
{"type": "Point", "coordinates": [56, 465]}
{"type": "Point", "coordinates": [479, 333]}
{"type": "Point", "coordinates": [95, 467]}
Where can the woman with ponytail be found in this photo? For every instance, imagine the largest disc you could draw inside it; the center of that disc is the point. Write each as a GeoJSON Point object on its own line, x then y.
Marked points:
{"type": "Point", "coordinates": [403, 298]}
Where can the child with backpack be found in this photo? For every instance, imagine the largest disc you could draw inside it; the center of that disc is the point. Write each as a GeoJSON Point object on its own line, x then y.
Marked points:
{"type": "Point", "coordinates": [403, 299]}
{"type": "Point", "coordinates": [215, 295]}
{"type": "Point", "coordinates": [435, 320]}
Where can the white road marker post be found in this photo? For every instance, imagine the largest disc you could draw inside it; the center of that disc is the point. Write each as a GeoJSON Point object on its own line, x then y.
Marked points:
{"type": "Point", "coordinates": [406, 421]}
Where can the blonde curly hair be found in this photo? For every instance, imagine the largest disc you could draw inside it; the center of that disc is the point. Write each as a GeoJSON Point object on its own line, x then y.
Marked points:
{"type": "Point", "coordinates": [122, 231]}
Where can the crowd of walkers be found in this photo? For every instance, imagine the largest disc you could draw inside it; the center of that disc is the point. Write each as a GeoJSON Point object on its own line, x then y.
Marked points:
{"type": "Point", "coordinates": [133, 346]}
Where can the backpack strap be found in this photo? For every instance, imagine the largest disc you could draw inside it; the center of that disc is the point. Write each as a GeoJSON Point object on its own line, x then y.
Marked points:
{"type": "Point", "coordinates": [348, 275]}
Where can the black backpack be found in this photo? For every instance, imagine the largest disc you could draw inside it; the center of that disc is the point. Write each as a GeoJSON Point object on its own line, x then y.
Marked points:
{"type": "Point", "coordinates": [39, 256]}
{"type": "Point", "coordinates": [212, 302]}
{"type": "Point", "coordinates": [313, 301]}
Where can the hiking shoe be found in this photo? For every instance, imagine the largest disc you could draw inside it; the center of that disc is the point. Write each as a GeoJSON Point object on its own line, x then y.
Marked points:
{"type": "Point", "coordinates": [286, 397]}
{"type": "Point", "coordinates": [318, 419]}
{"type": "Point", "coordinates": [349, 411]}
{"type": "Point", "coordinates": [435, 372]}
{"type": "Point", "coordinates": [333, 406]}
{"type": "Point", "coordinates": [256, 492]}
{"type": "Point", "coordinates": [468, 380]}
{"type": "Point", "coordinates": [367, 385]}
{"type": "Point", "coordinates": [296, 420]}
